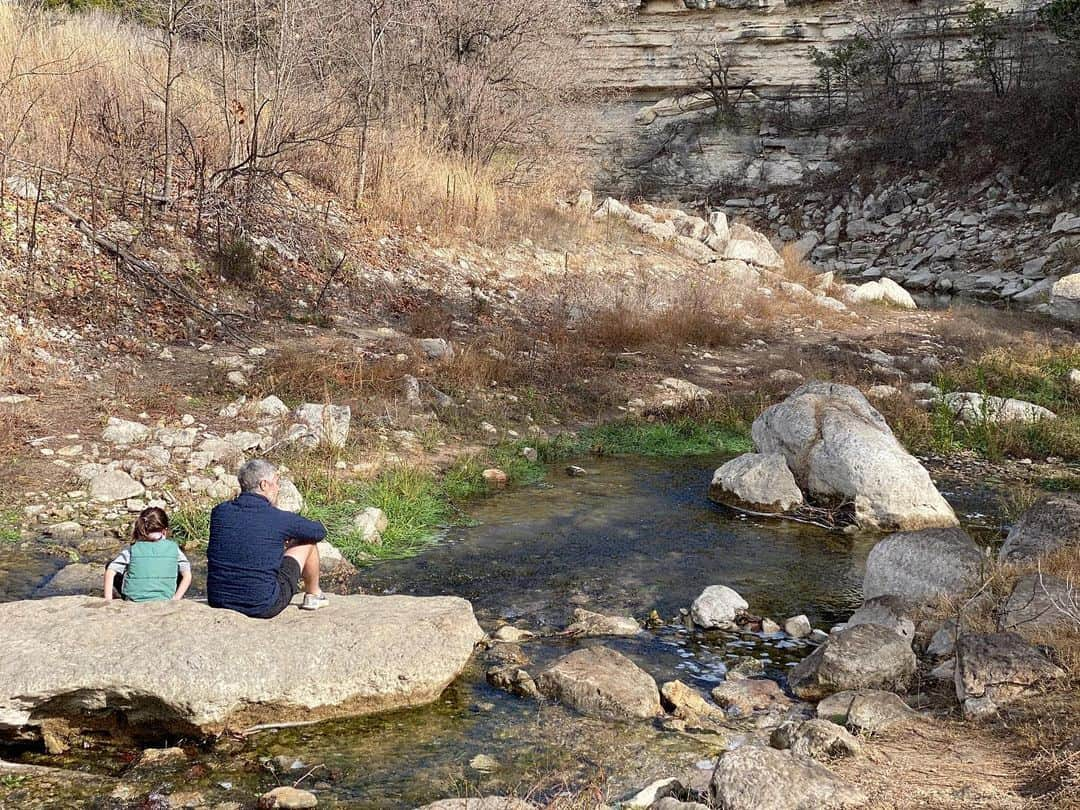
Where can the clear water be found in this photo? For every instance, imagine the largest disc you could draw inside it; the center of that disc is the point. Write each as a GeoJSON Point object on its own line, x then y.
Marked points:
{"type": "Point", "coordinates": [632, 537]}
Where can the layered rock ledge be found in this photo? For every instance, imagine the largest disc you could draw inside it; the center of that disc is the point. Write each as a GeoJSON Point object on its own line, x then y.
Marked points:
{"type": "Point", "coordinates": [183, 667]}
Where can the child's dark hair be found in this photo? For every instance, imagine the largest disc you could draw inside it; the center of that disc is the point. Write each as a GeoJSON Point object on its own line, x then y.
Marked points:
{"type": "Point", "coordinates": [151, 520]}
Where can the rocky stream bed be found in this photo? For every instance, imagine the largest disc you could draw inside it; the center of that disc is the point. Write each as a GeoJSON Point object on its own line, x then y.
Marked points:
{"type": "Point", "coordinates": [634, 537]}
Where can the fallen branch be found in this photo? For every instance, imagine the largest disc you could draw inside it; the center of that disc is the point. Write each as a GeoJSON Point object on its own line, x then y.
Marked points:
{"type": "Point", "coordinates": [147, 273]}
{"type": "Point", "coordinates": [273, 726]}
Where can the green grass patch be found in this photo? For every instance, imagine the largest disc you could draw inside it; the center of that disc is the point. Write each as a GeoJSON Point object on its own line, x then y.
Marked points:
{"type": "Point", "coordinates": [1061, 483]}
{"type": "Point", "coordinates": [1033, 374]}
{"type": "Point", "coordinates": [684, 437]}
{"type": "Point", "coordinates": [418, 504]}
{"type": "Point", "coordinates": [9, 526]}
{"type": "Point", "coordinates": [190, 527]}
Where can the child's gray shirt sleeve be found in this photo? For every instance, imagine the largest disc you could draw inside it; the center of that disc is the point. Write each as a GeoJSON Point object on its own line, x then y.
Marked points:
{"type": "Point", "coordinates": [121, 561]}
{"type": "Point", "coordinates": [182, 563]}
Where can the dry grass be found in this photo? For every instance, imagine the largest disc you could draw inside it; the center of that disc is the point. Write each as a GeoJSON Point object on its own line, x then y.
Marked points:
{"type": "Point", "coordinates": [85, 102]}
{"type": "Point", "coordinates": [334, 372]}
{"type": "Point", "coordinates": [796, 268]}
{"type": "Point", "coordinates": [1042, 729]}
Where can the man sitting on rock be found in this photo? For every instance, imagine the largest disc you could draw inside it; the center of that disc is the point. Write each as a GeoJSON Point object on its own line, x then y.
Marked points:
{"type": "Point", "coordinates": [258, 552]}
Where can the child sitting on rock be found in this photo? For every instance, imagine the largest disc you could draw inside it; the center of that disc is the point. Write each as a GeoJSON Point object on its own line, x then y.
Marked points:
{"type": "Point", "coordinates": [152, 568]}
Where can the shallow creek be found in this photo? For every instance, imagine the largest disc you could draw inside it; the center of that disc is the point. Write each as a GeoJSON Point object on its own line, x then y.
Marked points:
{"type": "Point", "coordinates": [632, 537]}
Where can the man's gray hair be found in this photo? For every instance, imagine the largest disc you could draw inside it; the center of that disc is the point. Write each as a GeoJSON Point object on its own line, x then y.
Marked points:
{"type": "Point", "coordinates": [253, 472]}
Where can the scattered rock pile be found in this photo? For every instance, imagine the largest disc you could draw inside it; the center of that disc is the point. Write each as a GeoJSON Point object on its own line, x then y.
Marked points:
{"type": "Point", "coordinates": [990, 240]}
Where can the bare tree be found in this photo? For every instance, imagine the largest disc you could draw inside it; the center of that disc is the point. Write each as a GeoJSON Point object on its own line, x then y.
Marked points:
{"type": "Point", "coordinates": [714, 76]}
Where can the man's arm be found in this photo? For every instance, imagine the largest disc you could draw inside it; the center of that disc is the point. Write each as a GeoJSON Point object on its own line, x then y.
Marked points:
{"type": "Point", "coordinates": [305, 531]}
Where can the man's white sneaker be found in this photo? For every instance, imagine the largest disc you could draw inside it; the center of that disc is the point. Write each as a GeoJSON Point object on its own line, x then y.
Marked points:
{"type": "Point", "coordinates": [314, 601]}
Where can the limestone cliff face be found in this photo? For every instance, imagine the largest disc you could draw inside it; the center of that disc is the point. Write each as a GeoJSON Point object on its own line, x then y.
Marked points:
{"type": "Point", "coordinates": [652, 138]}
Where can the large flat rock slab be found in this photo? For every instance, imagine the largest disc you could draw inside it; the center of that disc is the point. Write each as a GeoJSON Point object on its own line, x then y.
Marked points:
{"type": "Point", "coordinates": [188, 668]}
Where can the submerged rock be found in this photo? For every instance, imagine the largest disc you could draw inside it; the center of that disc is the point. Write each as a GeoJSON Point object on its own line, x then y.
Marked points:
{"type": "Point", "coordinates": [863, 657]}
{"type": "Point", "coordinates": [757, 482]}
{"type": "Point", "coordinates": [81, 659]}
{"type": "Point", "coordinates": [601, 682]}
{"type": "Point", "coordinates": [748, 695]}
{"type": "Point", "coordinates": [76, 579]}
{"type": "Point", "coordinates": [587, 623]}
{"type": "Point", "coordinates": [288, 798]}
{"type": "Point", "coordinates": [923, 565]}
{"type": "Point", "coordinates": [487, 803]}
{"type": "Point", "coordinates": [755, 777]}
{"type": "Point", "coordinates": [839, 448]}
{"type": "Point", "coordinates": [1052, 522]}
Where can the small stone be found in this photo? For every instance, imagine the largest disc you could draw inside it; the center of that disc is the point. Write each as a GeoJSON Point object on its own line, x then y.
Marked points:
{"type": "Point", "coordinates": [575, 472]}
{"type": "Point", "coordinates": [236, 379]}
{"type": "Point", "coordinates": [484, 763]}
{"type": "Point", "coordinates": [530, 454]}
{"type": "Point", "coordinates": [495, 478]}
{"type": "Point", "coordinates": [510, 634]}
{"type": "Point", "coordinates": [437, 348]}
{"type": "Point", "coordinates": [798, 626]}
{"type": "Point", "coordinates": [769, 627]}
{"type": "Point", "coordinates": [288, 798]}
{"type": "Point", "coordinates": [371, 523]}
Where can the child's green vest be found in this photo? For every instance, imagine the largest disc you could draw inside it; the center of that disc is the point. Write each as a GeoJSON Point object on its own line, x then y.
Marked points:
{"type": "Point", "coordinates": [151, 574]}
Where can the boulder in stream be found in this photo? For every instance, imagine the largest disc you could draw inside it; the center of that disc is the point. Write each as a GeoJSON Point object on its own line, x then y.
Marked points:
{"type": "Point", "coordinates": [587, 623]}
{"type": "Point", "coordinates": [866, 656]}
{"type": "Point", "coordinates": [923, 565]}
{"type": "Point", "coordinates": [840, 449]}
{"type": "Point", "coordinates": [160, 665]}
{"type": "Point", "coordinates": [601, 682]}
{"type": "Point", "coordinates": [76, 579]}
{"type": "Point", "coordinates": [717, 607]}
{"type": "Point", "coordinates": [756, 482]}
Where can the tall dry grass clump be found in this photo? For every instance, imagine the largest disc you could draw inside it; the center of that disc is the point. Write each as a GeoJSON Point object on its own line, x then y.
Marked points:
{"type": "Point", "coordinates": [444, 115]}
